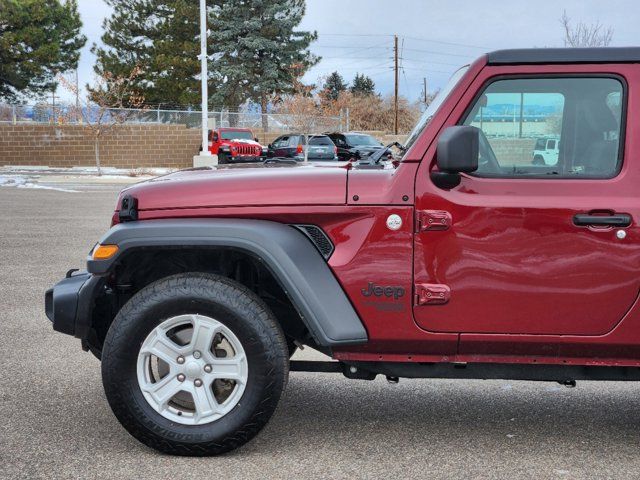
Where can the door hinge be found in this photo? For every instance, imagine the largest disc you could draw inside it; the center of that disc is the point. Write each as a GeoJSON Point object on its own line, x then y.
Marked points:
{"type": "Point", "coordinates": [430, 220]}
{"type": "Point", "coordinates": [431, 294]}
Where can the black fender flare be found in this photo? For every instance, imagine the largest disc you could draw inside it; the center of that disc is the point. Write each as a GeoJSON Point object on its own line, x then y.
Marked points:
{"type": "Point", "coordinates": [293, 260]}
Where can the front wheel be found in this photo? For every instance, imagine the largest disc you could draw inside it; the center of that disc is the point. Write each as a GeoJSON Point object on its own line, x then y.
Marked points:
{"type": "Point", "coordinates": [194, 364]}
{"type": "Point", "coordinates": [223, 158]}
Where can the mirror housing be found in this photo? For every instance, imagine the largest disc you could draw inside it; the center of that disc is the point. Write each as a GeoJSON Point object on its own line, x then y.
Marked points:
{"type": "Point", "coordinates": [457, 152]}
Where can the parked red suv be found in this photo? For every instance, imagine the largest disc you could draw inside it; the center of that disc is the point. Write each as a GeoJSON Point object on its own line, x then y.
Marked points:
{"type": "Point", "coordinates": [235, 145]}
{"type": "Point", "coordinates": [464, 259]}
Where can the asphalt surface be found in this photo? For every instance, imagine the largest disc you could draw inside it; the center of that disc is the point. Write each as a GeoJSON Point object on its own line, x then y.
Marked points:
{"type": "Point", "coordinates": [55, 421]}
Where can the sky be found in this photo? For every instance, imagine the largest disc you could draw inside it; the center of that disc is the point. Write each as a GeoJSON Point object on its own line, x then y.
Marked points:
{"type": "Point", "coordinates": [435, 37]}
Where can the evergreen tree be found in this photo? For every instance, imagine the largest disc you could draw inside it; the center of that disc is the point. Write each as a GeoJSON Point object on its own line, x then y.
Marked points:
{"type": "Point", "coordinates": [161, 37]}
{"type": "Point", "coordinates": [38, 40]}
{"type": "Point", "coordinates": [261, 55]}
{"type": "Point", "coordinates": [363, 85]}
{"type": "Point", "coordinates": [333, 86]}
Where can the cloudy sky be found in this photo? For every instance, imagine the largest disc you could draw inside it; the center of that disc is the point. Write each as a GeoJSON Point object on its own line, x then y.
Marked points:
{"type": "Point", "coordinates": [436, 37]}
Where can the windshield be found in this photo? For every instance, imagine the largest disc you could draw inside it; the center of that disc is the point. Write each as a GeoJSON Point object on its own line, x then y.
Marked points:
{"type": "Point", "coordinates": [320, 141]}
{"type": "Point", "coordinates": [365, 140]}
{"type": "Point", "coordinates": [235, 135]}
{"type": "Point", "coordinates": [434, 106]}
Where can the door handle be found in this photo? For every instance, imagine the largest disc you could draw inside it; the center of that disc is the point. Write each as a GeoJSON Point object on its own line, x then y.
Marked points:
{"type": "Point", "coordinates": [615, 220]}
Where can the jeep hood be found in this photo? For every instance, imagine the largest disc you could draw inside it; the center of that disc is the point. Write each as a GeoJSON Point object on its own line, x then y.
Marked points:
{"type": "Point", "coordinates": [255, 185]}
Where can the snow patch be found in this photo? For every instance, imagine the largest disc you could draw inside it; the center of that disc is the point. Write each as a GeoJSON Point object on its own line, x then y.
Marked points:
{"type": "Point", "coordinates": [21, 182]}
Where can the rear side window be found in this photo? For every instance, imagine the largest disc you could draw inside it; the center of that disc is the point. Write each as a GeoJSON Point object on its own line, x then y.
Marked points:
{"type": "Point", "coordinates": [320, 141]}
{"type": "Point", "coordinates": [552, 127]}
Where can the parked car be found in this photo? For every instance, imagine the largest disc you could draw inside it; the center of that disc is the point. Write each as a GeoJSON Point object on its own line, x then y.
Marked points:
{"type": "Point", "coordinates": [235, 145]}
{"type": "Point", "coordinates": [546, 150]}
{"type": "Point", "coordinates": [294, 145]}
{"type": "Point", "coordinates": [438, 266]}
{"type": "Point", "coordinates": [353, 145]}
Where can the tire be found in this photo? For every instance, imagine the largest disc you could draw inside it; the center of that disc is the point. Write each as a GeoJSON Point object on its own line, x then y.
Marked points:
{"type": "Point", "coordinates": [538, 160]}
{"type": "Point", "coordinates": [223, 158]}
{"type": "Point", "coordinates": [237, 309]}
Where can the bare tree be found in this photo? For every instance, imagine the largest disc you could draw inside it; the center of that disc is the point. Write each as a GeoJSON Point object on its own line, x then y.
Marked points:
{"type": "Point", "coordinates": [112, 101]}
{"type": "Point", "coordinates": [584, 35]}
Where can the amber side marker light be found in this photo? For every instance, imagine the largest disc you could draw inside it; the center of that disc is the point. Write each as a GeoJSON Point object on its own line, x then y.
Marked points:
{"type": "Point", "coordinates": [103, 252]}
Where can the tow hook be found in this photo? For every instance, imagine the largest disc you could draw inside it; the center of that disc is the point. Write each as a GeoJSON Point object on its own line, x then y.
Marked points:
{"type": "Point", "coordinates": [393, 380]}
{"type": "Point", "coordinates": [568, 383]}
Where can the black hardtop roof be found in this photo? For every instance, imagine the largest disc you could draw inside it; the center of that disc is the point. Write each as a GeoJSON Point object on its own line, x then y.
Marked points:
{"type": "Point", "coordinates": [564, 55]}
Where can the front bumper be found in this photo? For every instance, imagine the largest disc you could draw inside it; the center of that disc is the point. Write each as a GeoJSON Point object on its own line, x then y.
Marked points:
{"type": "Point", "coordinates": [244, 159]}
{"type": "Point", "coordinates": [70, 302]}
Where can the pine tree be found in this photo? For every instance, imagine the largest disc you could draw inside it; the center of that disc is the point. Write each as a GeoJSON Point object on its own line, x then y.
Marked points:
{"type": "Point", "coordinates": [38, 40]}
{"type": "Point", "coordinates": [363, 85]}
{"type": "Point", "coordinates": [161, 37]}
{"type": "Point", "coordinates": [333, 86]}
{"type": "Point", "coordinates": [261, 55]}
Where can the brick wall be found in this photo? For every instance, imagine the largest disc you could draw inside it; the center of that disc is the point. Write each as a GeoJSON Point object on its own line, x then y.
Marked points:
{"type": "Point", "coordinates": [513, 151]}
{"type": "Point", "coordinates": [129, 146]}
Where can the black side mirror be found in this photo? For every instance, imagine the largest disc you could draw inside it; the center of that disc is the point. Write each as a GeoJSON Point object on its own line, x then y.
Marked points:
{"type": "Point", "coordinates": [457, 152]}
{"type": "Point", "coordinates": [256, 140]}
{"type": "Point", "coordinates": [269, 146]}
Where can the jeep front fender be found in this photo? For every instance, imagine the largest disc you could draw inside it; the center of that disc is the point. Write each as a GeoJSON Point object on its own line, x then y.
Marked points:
{"type": "Point", "coordinates": [292, 259]}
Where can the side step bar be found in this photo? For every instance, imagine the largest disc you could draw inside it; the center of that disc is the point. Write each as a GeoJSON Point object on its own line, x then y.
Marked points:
{"type": "Point", "coordinates": [564, 374]}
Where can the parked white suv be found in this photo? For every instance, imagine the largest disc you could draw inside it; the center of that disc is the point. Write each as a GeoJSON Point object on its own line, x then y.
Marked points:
{"type": "Point", "coordinates": [546, 151]}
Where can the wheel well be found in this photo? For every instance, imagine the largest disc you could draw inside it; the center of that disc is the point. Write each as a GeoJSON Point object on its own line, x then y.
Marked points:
{"type": "Point", "coordinates": [140, 267]}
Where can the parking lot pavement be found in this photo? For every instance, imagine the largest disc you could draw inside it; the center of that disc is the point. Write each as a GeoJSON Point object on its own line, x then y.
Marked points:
{"type": "Point", "coordinates": [56, 422]}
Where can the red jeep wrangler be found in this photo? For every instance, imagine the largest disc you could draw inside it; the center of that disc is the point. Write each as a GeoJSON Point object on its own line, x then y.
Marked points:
{"type": "Point", "coordinates": [465, 259]}
{"type": "Point", "coordinates": [235, 145]}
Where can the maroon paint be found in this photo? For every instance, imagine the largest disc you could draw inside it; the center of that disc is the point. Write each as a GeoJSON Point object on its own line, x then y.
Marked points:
{"type": "Point", "coordinates": [526, 285]}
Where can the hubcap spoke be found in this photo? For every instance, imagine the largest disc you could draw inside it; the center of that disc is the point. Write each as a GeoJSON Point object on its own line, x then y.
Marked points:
{"type": "Point", "coordinates": [229, 369]}
{"type": "Point", "coordinates": [163, 348]}
{"type": "Point", "coordinates": [163, 390]}
{"type": "Point", "coordinates": [205, 403]}
{"type": "Point", "coordinates": [203, 333]}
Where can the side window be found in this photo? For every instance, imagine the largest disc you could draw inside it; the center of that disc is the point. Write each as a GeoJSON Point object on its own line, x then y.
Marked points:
{"type": "Point", "coordinates": [556, 127]}
{"type": "Point", "coordinates": [280, 142]}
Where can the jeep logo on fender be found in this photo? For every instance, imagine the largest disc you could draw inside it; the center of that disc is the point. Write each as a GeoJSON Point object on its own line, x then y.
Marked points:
{"type": "Point", "coordinates": [378, 291]}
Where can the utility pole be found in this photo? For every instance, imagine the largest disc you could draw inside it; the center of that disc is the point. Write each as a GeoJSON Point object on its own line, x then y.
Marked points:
{"type": "Point", "coordinates": [395, 97]}
{"type": "Point", "coordinates": [203, 73]}
{"type": "Point", "coordinates": [425, 91]}
{"type": "Point", "coordinates": [77, 97]}
{"type": "Point", "coordinates": [53, 104]}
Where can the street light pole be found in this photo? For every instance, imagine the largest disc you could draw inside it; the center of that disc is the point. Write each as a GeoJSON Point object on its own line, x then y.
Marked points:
{"type": "Point", "coordinates": [203, 69]}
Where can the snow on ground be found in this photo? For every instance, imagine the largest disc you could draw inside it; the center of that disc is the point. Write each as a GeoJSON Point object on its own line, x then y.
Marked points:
{"type": "Point", "coordinates": [20, 181]}
{"type": "Point", "coordinates": [107, 172]}
{"type": "Point", "coordinates": [71, 179]}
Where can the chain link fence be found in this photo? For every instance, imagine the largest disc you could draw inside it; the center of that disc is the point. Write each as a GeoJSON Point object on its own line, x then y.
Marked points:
{"type": "Point", "coordinates": [271, 122]}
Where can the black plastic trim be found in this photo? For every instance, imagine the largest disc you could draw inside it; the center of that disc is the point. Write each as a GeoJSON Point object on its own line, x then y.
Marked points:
{"type": "Point", "coordinates": [61, 302]}
{"type": "Point", "coordinates": [286, 252]}
{"type": "Point", "coordinates": [526, 56]}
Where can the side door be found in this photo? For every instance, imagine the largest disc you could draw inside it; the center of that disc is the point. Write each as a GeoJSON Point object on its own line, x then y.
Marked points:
{"type": "Point", "coordinates": [528, 248]}
{"type": "Point", "coordinates": [280, 146]}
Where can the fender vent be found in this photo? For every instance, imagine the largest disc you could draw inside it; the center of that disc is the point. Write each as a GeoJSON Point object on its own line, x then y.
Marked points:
{"type": "Point", "coordinates": [319, 239]}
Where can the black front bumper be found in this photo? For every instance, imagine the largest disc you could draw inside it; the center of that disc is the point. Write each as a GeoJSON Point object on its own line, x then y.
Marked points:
{"type": "Point", "coordinates": [70, 302]}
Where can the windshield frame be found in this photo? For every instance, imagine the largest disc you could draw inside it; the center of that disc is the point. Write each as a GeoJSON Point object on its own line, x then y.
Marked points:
{"type": "Point", "coordinates": [435, 105]}
{"type": "Point", "coordinates": [223, 133]}
{"type": "Point", "coordinates": [372, 141]}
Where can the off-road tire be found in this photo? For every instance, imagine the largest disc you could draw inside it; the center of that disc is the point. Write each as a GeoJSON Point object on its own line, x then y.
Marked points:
{"type": "Point", "coordinates": [241, 311]}
{"type": "Point", "coordinates": [223, 158]}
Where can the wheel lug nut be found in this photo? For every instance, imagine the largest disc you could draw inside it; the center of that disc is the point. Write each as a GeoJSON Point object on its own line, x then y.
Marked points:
{"type": "Point", "coordinates": [197, 382]}
{"type": "Point", "coordinates": [196, 354]}
{"type": "Point", "coordinates": [207, 368]}
{"type": "Point", "coordinates": [180, 360]}
{"type": "Point", "coordinates": [181, 377]}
